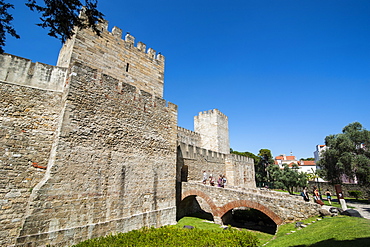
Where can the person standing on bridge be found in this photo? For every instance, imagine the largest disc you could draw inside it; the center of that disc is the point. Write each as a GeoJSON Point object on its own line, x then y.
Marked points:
{"type": "Point", "coordinates": [224, 180]}
{"type": "Point", "coordinates": [220, 182]}
{"type": "Point", "coordinates": [204, 177]}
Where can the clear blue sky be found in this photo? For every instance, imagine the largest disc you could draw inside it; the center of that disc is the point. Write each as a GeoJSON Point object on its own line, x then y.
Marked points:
{"type": "Point", "coordinates": [287, 73]}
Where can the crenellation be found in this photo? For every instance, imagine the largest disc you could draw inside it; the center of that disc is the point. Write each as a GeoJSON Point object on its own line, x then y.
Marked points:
{"type": "Point", "coordinates": [102, 25]}
{"type": "Point", "coordinates": [117, 32]}
{"type": "Point", "coordinates": [129, 38]}
{"type": "Point", "coordinates": [151, 52]}
{"type": "Point", "coordinates": [187, 132]}
{"type": "Point", "coordinates": [141, 46]}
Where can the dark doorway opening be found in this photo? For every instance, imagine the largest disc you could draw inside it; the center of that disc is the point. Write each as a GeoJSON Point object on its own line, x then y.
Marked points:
{"type": "Point", "coordinates": [191, 207]}
{"type": "Point", "coordinates": [251, 219]}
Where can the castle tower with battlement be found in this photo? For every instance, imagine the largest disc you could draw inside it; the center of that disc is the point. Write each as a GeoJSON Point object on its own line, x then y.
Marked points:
{"type": "Point", "coordinates": [108, 53]}
{"type": "Point", "coordinates": [213, 128]}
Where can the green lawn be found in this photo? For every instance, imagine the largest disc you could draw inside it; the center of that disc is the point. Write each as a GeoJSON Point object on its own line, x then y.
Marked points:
{"type": "Point", "coordinates": [340, 231]}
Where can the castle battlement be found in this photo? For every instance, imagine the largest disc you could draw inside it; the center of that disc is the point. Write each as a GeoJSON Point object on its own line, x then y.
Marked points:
{"type": "Point", "coordinates": [22, 71]}
{"type": "Point", "coordinates": [241, 158]}
{"type": "Point", "coordinates": [188, 132]}
{"type": "Point", "coordinates": [193, 152]}
{"type": "Point", "coordinates": [129, 40]}
{"type": "Point", "coordinates": [187, 136]}
{"type": "Point", "coordinates": [117, 57]}
{"type": "Point", "coordinates": [210, 112]}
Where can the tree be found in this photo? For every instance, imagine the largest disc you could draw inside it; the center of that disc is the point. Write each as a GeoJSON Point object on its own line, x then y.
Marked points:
{"type": "Point", "coordinates": [260, 167]}
{"type": "Point", "coordinates": [287, 178]}
{"type": "Point", "coordinates": [307, 159]}
{"type": "Point", "coordinates": [60, 17]}
{"type": "Point", "coordinates": [6, 23]}
{"type": "Point", "coordinates": [246, 154]}
{"type": "Point", "coordinates": [347, 154]}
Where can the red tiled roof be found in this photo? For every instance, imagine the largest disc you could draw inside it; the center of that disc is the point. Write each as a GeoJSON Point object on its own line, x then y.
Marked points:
{"type": "Point", "coordinates": [290, 157]}
{"type": "Point", "coordinates": [308, 163]}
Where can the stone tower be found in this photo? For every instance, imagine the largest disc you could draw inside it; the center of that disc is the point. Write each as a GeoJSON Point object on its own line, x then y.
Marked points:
{"type": "Point", "coordinates": [116, 57]}
{"type": "Point", "coordinates": [213, 127]}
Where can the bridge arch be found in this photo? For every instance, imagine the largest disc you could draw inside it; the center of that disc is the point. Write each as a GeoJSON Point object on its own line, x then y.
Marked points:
{"type": "Point", "coordinates": [204, 196]}
{"type": "Point", "coordinates": [250, 204]}
{"type": "Point", "coordinates": [222, 210]}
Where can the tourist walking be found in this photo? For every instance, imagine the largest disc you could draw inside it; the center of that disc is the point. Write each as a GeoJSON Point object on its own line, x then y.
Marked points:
{"type": "Point", "coordinates": [328, 196]}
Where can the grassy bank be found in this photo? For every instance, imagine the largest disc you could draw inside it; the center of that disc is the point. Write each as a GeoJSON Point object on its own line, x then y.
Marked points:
{"type": "Point", "coordinates": [333, 231]}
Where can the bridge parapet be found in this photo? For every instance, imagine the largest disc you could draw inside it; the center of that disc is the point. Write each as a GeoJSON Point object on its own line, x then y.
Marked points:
{"type": "Point", "coordinates": [280, 207]}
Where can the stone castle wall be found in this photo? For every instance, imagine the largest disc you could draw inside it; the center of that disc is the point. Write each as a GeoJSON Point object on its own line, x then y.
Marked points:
{"type": "Point", "coordinates": [121, 59]}
{"type": "Point", "coordinates": [105, 174]}
{"type": "Point", "coordinates": [29, 116]}
{"type": "Point", "coordinates": [240, 171]}
{"type": "Point", "coordinates": [82, 156]}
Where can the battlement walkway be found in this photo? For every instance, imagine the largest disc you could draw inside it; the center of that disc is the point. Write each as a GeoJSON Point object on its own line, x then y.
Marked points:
{"type": "Point", "coordinates": [280, 207]}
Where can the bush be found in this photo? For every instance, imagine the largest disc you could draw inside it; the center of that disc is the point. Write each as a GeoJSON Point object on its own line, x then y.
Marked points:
{"type": "Point", "coordinates": [172, 236]}
{"type": "Point", "coordinates": [355, 193]}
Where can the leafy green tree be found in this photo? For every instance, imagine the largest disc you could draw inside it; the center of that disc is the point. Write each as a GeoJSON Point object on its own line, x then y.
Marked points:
{"type": "Point", "coordinates": [260, 167]}
{"type": "Point", "coordinates": [348, 154]}
{"type": "Point", "coordinates": [287, 178]}
{"type": "Point", "coordinates": [307, 159]}
{"type": "Point", "coordinates": [60, 17]}
{"type": "Point", "coordinates": [246, 154]}
{"type": "Point", "coordinates": [6, 23]}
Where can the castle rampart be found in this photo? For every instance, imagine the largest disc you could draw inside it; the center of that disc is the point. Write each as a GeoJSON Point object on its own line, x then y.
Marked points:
{"type": "Point", "coordinates": [21, 71]}
{"type": "Point", "coordinates": [188, 137]}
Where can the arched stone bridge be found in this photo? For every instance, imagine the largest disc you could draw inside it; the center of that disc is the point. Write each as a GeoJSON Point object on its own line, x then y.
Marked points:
{"type": "Point", "coordinates": [279, 207]}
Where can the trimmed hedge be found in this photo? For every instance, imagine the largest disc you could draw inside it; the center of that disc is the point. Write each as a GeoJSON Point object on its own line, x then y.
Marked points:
{"type": "Point", "coordinates": [355, 193]}
{"type": "Point", "coordinates": [172, 236]}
